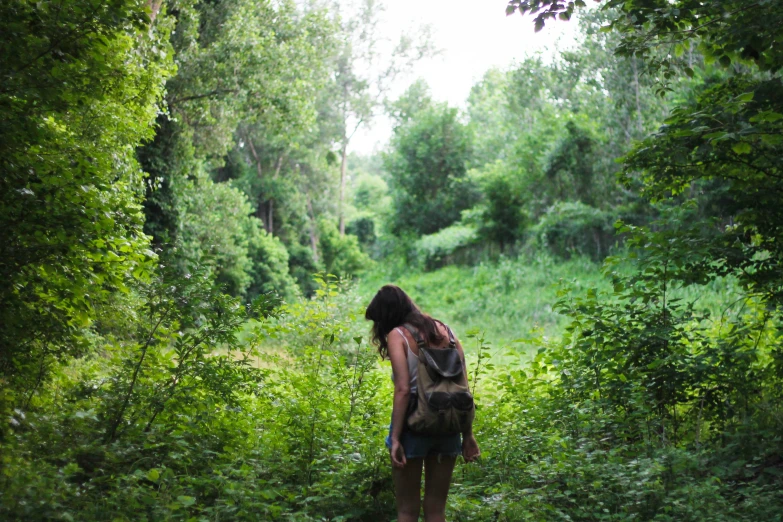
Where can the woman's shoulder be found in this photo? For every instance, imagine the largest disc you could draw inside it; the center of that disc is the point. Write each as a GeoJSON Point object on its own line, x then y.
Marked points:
{"type": "Point", "coordinates": [400, 333]}
{"type": "Point", "coordinates": [395, 334]}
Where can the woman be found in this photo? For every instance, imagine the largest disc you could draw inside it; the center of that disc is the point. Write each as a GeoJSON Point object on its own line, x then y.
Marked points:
{"type": "Point", "coordinates": [393, 313]}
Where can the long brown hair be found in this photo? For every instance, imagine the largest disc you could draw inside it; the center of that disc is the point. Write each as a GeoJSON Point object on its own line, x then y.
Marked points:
{"type": "Point", "coordinates": [392, 307]}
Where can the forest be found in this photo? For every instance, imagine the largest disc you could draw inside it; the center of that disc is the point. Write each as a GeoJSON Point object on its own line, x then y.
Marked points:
{"type": "Point", "coordinates": [188, 242]}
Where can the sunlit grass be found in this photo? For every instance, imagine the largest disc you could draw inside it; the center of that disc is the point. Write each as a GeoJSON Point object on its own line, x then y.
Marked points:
{"type": "Point", "coordinates": [507, 300]}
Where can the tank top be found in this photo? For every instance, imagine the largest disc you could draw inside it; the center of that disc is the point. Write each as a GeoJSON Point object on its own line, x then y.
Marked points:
{"type": "Point", "coordinates": [413, 363]}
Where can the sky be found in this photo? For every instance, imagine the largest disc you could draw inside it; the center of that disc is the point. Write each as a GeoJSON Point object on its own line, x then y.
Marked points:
{"type": "Point", "coordinates": [473, 36]}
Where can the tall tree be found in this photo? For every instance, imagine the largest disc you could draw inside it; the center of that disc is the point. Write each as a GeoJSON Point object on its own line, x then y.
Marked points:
{"type": "Point", "coordinates": [81, 85]}
{"type": "Point", "coordinates": [242, 64]}
{"type": "Point", "coordinates": [363, 74]}
{"type": "Point", "coordinates": [427, 166]}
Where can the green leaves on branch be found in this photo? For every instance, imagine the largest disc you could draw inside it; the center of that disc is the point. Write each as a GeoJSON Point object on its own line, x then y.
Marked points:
{"type": "Point", "coordinates": [729, 137]}
{"type": "Point", "coordinates": [82, 82]}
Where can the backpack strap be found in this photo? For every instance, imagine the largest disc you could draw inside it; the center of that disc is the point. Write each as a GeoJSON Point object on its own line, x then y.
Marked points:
{"type": "Point", "coordinates": [415, 333]}
{"type": "Point", "coordinates": [452, 340]}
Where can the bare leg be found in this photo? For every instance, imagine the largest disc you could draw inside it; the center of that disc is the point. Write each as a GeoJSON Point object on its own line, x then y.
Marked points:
{"type": "Point", "coordinates": [437, 479]}
{"type": "Point", "coordinates": [407, 490]}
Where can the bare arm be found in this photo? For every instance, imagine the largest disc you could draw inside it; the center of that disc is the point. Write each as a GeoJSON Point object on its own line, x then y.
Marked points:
{"type": "Point", "coordinates": [402, 391]}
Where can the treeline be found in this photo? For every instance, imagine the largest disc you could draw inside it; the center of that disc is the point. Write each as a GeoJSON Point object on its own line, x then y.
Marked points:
{"type": "Point", "coordinates": [530, 164]}
{"type": "Point", "coordinates": [196, 136]}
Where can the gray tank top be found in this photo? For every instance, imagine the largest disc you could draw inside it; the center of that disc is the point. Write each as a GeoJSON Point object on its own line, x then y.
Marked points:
{"type": "Point", "coordinates": [413, 363]}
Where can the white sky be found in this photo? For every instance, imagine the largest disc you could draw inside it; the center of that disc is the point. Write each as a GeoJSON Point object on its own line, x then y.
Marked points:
{"type": "Point", "coordinates": [473, 36]}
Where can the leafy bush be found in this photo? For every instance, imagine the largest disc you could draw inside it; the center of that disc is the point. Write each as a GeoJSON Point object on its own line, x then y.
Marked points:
{"type": "Point", "coordinates": [569, 228]}
{"type": "Point", "coordinates": [270, 272]}
{"type": "Point", "coordinates": [340, 255]}
{"type": "Point", "coordinates": [428, 172]}
{"type": "Point", "coordinates": [302, 266]}
{"type": "Point", "coordinates": [191, 420]}
{"type": "Point", "coordinates": [440, 248]}
{"type": "Point", "coordinates": [81, 88]}
{"type": "Point", "coordinates": [364, 230]}
{"type": "Point", "coordinates": [504, 218]}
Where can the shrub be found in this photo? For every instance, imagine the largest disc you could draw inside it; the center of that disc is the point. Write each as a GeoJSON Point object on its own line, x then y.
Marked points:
{"type": "Point", "coordinates": [443, 247]}
{"type": "Point", "coordinates": [570, 227]}
{"type": "Point", "coordinates": [340, 255]}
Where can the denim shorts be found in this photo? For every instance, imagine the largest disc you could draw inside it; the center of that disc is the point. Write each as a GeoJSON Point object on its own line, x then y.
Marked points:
{"type": "Point", "coordinates": [420, 446]}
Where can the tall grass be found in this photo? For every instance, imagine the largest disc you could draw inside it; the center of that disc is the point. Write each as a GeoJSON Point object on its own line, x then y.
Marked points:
{"type": "Point", "coordinates": [508, 300]}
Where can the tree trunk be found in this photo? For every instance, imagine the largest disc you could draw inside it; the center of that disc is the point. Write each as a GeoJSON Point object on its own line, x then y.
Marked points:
{"type": "Point", "coordinates": [264, 213]}
{"type": "Point", "coordinates": [154, 7]}
{"type": "Point", "coordinates": [340, 212]}
{"type": "Point", "coordinates": [640, 120]}
{"type": "Point", "coordinates": [270, 220]}
{"type": "Point", "coordinates": [270, 216]}
{"type": "Point", "coordinates": [313, 228]}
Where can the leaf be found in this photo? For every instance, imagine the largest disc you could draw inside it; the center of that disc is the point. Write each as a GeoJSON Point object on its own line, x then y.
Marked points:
{"type": "Point", "coordinates": [772, 139]}
{"type": "Point", "coordinates": [741, 147]}
{"type": "Point", "coordinates": [768, 116]}
{"type": "Point", "coordinates": [186, 500]}
{"type": "Point", "coordinates": [153, 475]}
{"type": "Point", "coordinates": [745, 97]}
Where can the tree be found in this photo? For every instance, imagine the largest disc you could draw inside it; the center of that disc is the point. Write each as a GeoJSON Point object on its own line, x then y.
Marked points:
{"type": "Point", "coordinates": [363, 74]}
{"type": "Point", "coordinates": [643, 353]}
{"type": "Point", "coordinates": [504, 216]}
{"type": "Point", "coordinates": [729, 132]}
{"type": "Point", "coordinates": [427, 166]}
{"type": "Point", "coordinates": [248, 72]}
{"type": "Point", "coordinates": [82, 81]}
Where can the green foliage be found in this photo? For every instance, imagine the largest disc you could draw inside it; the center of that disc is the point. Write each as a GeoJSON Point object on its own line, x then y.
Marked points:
{"type": "Point", "coordinates": [81, 86]}
{"type": "Point", "coordinates": [248, 72]}
{"type": "Point", "coordinates": [118, 431]}
{"type": "Point", "coordinates": [575, 228]}
{"type": "Point", "coordinates": [438, 249]}
{"type": "Point", "coordinates": [427, 168]}
{"type": "Point", "coordinates": [504, 218]}
{"type": "Point", "coordinates": [372, 203]}
{"type": "Point", "coordinates": [270, 267]}
{"type": "Point", "coordinates": [340, 255]}
{"type": "Point", "coordinates": [364, 230]}
{"type": "Point", "coordinates": [132, 391]}
{"type": "Point", "coordinates": [570, 169]}
{"type": "Point", "coordinates": [727, 135]}
{"type": "Point", "coordinates": [505, 299]}
{"type": "Point", "coordinates": [217, 224]}
{"type": "Point", "coordinates": [302, 266]}
{"type": "Point", "coordinates": [193, 420]}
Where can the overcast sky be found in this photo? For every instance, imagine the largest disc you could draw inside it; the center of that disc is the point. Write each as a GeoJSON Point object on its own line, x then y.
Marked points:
{"type": "Point", "coordinates": [473, 36]}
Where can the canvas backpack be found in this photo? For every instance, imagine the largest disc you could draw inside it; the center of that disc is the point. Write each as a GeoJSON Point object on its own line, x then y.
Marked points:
{"type": "Point", "coordinates": [443, 403]}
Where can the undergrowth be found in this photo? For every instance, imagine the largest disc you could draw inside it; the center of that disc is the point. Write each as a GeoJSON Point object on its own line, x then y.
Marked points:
{"type": "Point", "coordinates": [279, 412]}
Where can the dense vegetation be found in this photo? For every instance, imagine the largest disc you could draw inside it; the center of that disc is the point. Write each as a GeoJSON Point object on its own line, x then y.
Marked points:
{"type": "Point", "coordinates": [187, 247]}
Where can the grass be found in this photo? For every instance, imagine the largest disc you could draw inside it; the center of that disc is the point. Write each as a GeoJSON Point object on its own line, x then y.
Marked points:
{"type": "Point", "coordinates": [507, 300]}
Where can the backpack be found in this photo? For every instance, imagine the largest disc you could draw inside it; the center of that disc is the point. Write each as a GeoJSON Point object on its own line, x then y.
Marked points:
{"type": "Point", "coordinates": [444, 404]}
